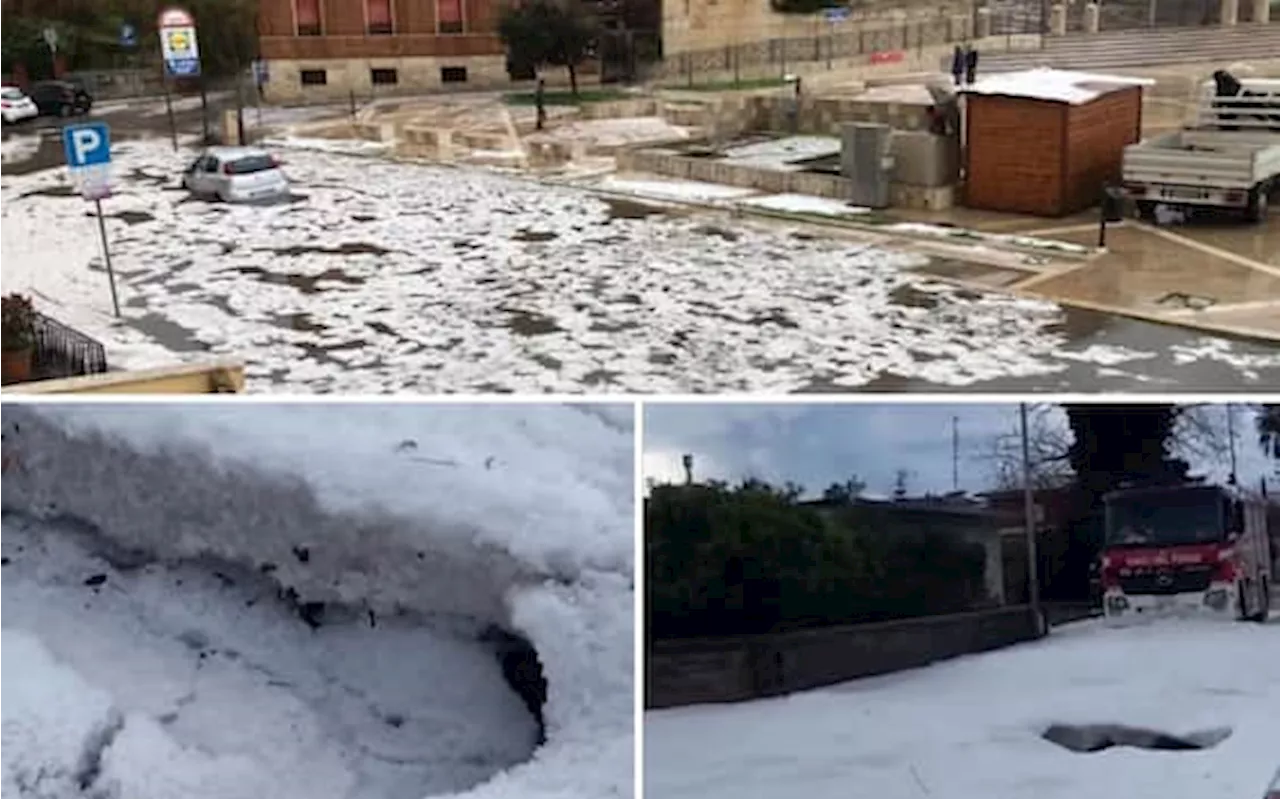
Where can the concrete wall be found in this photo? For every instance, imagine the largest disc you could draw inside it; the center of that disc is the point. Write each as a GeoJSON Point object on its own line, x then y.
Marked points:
{"type": "Point", "coordinates": [735, 669]}
{"type": "Point", "coordinates": [708, 170]}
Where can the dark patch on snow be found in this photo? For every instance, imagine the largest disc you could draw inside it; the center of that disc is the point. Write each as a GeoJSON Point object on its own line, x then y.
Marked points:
{"type": "Point", "coordinates": [346, 248]}
{"type": "Point", "coordinates": [394, 720]}
{"type": "Point", "coordinates": [524, 234]}
{"type": "Point", "coordinates": [130, 217]}
{"type": "Point", "coordinates": [168, 333]}
{"type": "Point", "coordinates": [716, 231]}
{"type": "Point", "coordinates": [303, 554]}
{"type": "Point", "coordinates": [307, 284]}
{"type": "Point", "coordinates": [526, 323]}
{"type": "Point", "coordinates": [619, 208]}
{"type": "Point", "coordinates": [1097, 737]}
{"type": "Point", "coordinates": [912, 297]}
{"type": "Point", "coordinates": [90, 765]}
{"type": "Point", "coordinates": [95, 580]}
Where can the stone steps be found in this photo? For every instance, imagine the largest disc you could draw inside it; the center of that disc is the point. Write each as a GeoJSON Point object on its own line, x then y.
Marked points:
{"type": "Point", "coordinates": [1135, 48]}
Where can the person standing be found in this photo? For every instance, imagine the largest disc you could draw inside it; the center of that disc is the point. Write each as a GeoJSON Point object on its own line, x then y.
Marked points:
{"type": "Point", "coordinates": [970, 65]}
{"type": "Point", "coordinates": [958, 64]}
{"type": "Point", "coordinates": [540, 102]}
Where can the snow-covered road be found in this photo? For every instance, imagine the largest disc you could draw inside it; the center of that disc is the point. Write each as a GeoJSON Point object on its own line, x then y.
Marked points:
{"type": "Point", "coordinates": [237, 602]}
{"type": "Point", "coordinates": [398, 277]}
{"type": "Point", "coordinates": [970, 728]}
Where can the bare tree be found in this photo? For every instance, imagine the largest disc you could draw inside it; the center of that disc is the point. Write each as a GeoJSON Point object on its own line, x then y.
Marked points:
{"type": "Point", "coordinates": [1049, 442]}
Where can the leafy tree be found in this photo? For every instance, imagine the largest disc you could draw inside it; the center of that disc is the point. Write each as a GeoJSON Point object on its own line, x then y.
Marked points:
{"type": "Point", "coordinates": [845, 492]}
{"type": "Point", "coordinates": [541, 33]}
{"type": "Point", "coordinates": [751, 558]}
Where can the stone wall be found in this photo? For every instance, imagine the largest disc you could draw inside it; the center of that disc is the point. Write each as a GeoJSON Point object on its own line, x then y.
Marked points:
{"type": "Point", "coordinates": [694, 25]}
{"type": "Point", "coordinates": [734, 669]}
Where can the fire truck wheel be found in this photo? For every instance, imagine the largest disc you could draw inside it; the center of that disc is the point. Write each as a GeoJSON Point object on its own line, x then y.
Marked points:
{"type": "Point", "coordinates": [1264, 608]}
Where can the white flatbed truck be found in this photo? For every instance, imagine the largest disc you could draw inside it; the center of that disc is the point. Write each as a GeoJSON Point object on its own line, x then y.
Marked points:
{"type": "Point", "coordinates": [1229, 158]}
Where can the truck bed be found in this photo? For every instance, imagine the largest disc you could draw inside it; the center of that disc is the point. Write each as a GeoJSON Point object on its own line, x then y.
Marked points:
{"type": "Point", "coordinates": [1204, 158]}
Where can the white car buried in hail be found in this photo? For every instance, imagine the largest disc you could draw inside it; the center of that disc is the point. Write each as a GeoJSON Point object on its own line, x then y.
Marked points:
{"type": "Point", "coordinates": [16, 106]}
{"type": "Point", "coordinates": [236, 175]}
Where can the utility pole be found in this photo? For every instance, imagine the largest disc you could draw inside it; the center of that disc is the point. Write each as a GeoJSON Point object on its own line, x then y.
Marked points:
{"type": "Point", "coordinates": [1231, 441]}
{"type": "Point", "coordinates": [955, 453]}
{"type": "Point", "coordinates": [1029, 511]}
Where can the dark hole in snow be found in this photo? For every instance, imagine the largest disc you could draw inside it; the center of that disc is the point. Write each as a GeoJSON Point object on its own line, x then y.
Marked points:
{"type": "Point", "coordinates": [522, 670]}
{"type": "Point", "coordinates": [307, 284]}
{"type": "Point", "coordinates": [912, 297]}
{"type": "Point", "coordinates": [525, 323]}
{"type": "Point", "coordinates": [96, 580]}
{"type": "Point", "coordinates": [346, 248]}
{"type": "Point", "coordinates": [1097, 737]}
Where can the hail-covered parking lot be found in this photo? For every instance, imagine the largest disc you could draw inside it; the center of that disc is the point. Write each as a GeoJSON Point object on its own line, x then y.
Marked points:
{"type": "Point", "coordinates": [379, 276]}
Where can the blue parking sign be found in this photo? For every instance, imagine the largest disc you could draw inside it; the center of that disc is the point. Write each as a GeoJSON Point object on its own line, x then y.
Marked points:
{"type": "Point", "coordinates": [87, 145]}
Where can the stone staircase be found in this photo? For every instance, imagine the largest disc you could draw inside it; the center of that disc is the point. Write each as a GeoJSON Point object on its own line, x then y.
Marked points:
{"type": "Point", "coordinates": [1138, 48]}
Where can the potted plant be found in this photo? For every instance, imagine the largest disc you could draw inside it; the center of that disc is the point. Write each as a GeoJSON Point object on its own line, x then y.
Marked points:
{"type": "Point", "coordinates": [17, 337]}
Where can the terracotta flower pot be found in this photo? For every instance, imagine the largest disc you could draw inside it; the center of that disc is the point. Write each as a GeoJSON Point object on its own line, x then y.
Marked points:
{"type": "Point", "coordinates": [16, 365]}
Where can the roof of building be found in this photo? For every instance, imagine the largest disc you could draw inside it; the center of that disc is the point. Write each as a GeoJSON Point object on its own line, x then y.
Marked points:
{"type": "Point", "coordinates": [1053, 85]}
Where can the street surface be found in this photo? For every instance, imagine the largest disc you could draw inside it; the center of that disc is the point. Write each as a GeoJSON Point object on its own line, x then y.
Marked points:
{"type": "Point", "coordinates": [383, 277]}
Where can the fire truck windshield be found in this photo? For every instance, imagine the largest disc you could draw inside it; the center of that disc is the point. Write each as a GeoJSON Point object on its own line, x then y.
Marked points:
{"type": "Point", "coordinates": [1166, 519]}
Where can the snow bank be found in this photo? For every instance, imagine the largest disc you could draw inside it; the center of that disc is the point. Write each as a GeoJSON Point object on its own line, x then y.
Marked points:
{"type": "Point", "coordinates": [1054, 85]}
{"type": "Point", "coordinates": [514, 515]}
{"type": "Point", "coordinates": [970, 728]}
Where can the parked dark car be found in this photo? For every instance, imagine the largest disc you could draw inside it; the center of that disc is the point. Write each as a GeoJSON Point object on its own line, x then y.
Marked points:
{"type": "Point", "coordinates": [60, 98]}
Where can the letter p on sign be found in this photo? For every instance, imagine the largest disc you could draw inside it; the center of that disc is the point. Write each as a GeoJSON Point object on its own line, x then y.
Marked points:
{"type": "Point", "coordinates": [86, 145]}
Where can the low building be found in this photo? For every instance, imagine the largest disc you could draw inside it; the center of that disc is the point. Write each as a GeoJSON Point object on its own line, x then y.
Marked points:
{"type": "Point", "coordinates": [1047, 141]}
{"type": "Point", "coordinates": [326, 49]}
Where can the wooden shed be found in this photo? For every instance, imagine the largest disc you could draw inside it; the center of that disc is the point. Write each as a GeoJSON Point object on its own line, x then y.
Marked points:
{"type": "Point", "coordinates": [1046, 141]}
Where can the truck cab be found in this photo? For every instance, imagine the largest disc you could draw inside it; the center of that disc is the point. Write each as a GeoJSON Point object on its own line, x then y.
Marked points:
{"type": "Point", "coordinates": [1184, 550]}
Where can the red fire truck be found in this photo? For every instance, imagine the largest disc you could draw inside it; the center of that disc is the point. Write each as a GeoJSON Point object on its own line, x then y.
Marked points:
{"type": "Point", "coordinates": [1185, 549]}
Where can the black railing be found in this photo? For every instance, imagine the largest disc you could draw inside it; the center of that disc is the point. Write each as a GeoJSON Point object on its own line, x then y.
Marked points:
{"type": "Point", "coordinates": [62, 351]}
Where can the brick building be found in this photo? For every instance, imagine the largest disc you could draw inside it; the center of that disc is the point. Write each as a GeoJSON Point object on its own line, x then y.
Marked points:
{"type": "Point", "coordinates": [317, 49]}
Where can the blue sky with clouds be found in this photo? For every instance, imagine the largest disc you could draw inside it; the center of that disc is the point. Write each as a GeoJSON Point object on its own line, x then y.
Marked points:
{"type": "Point", "coordinates": [817, 444]}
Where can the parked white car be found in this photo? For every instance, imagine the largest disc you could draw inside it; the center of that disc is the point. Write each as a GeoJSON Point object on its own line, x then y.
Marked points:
{"type": "Point", "coordinates": [16, 106]}
{"type": "Point", "coordinates": [236, 175]}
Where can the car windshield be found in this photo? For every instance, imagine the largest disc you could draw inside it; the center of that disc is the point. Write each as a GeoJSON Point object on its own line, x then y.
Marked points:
{"type": "Point", "coordinates": [11, 94]}
{"type": "Point", "coordinates": [1165, 519]}
{"type": "Point", "coordinates": [248, 164]}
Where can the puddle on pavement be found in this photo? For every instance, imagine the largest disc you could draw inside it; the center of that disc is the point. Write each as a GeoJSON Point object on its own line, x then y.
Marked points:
{"type": "Point", "coordinates": [307, 284]}
{"type": "Point", "coordinates": [167, 333]}
{"type": "Point", "coordinates": [346, 248]}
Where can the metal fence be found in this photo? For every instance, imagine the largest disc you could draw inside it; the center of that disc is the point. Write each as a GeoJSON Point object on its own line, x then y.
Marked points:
{"type": "Point", "coordinates": [1117, 15]}
{"type": "Point", "coordinates": [62, 351]}
{"type": "Point", "coordinates": [873, 42]}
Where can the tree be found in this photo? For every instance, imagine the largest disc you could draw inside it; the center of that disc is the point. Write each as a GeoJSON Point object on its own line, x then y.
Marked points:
{"type": "Point", "coordinates": [1268, 425]}
{"type": "Point", "coordinates": [541, 33]}
{"type": "Point", "coordinates": [846, 492]}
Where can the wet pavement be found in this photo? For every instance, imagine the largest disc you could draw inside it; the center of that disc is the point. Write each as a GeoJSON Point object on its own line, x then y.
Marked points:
{"type": "Point", "coordinates": [1219, 364]}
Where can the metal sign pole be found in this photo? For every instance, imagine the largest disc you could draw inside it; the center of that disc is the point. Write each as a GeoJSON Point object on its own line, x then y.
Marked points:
{"type": "Point", "coordinates": [168, 107]}
{"type": "Point", "coordinates": [106, 256]}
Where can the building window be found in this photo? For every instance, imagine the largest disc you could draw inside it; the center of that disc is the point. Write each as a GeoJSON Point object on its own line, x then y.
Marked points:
{"type": "Point", "coordinates": [453, 74]}
{"type": "Point", "coordinates": [378, 16]}
{"type": "Point", "coordinates": [449, 17]}
{"type": "Point", "coordinates": [307, 16]}
{"type": "Point", "coordinates": [384, 77]}
{"type": "Point", "coordinates": [314, 77]}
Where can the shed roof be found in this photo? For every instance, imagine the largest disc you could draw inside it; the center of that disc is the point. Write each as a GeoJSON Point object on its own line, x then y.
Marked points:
{"type": "Point", "coordinates": [1054, 85]}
